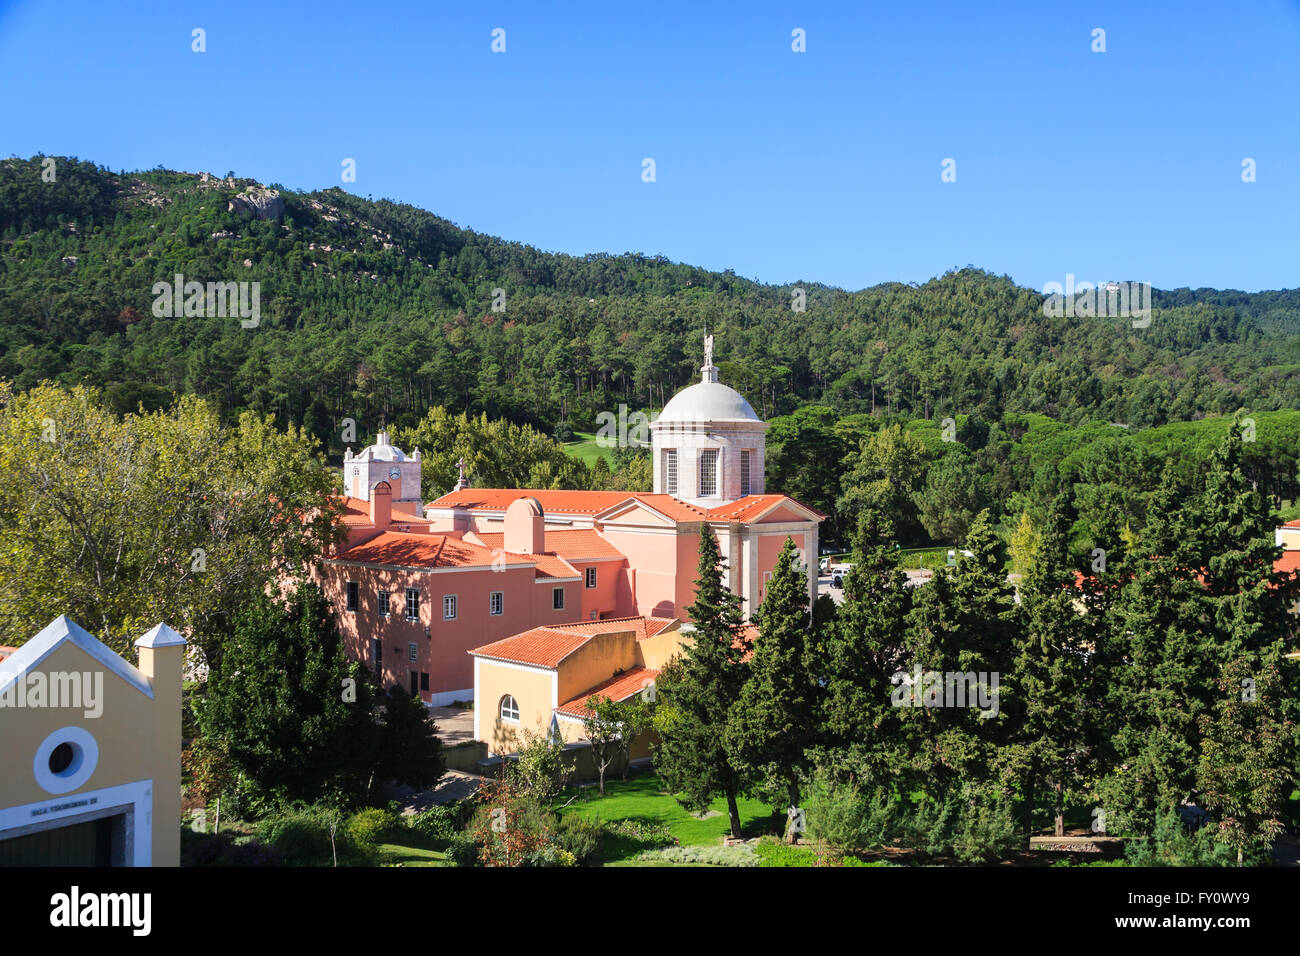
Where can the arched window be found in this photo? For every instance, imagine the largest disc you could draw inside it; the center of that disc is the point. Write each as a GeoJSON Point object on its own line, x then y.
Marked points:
{"type": "Point", "coordinates": [509, 708]}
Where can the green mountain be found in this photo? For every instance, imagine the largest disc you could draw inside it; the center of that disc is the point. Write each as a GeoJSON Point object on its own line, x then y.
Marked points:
{"type": "Point", "coordinates": [371, 310]}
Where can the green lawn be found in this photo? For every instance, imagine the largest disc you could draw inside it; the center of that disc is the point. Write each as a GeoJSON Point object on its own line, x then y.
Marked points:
{"type": "Point", "coordinates": [642, 798]}
{"type": "Point", "coordinates": [396, 854]}
{"type": "Point", "coordinates": [586, 449]}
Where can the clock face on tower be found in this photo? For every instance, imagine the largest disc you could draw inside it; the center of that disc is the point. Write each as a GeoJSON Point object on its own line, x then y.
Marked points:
{"type": "Point", "coordinates": [394, 474]}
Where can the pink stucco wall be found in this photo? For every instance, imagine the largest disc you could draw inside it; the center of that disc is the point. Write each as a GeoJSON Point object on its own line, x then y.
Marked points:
{"type": "Point", "coordinates": [443, 654]}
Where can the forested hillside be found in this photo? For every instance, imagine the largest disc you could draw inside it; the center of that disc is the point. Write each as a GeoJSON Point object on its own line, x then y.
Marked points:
{"type": "Point", "coordinates": [376, 309]}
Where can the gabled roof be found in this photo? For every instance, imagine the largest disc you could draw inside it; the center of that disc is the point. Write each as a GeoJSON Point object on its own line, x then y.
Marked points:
{"type": "Point", "coordinates": [548, 645]}
{"type": "Point", "coordinates": [752, 507]}
{"type": "Point", "coordinates": [572, 545]}
{"type": "Point", "coordinates": [619, 687]}
{"type": "Point", "coordinates": [63, 630]}
{"type": "Point", "coordinates": [600, 503]}
{"type": "Point", "coordinates": [538, 646]}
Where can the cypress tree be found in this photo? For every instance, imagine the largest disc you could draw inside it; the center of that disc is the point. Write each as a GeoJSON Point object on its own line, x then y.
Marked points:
{"type": "Point", "coordinates": [696, 695]}
{"type": "Point", "coordinates": [861, 734]}
{"type": "Point", "coordinates": [773, 722]}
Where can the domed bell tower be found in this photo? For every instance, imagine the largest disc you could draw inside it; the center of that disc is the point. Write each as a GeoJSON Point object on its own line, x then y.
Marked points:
{"type": "Point", "coordinates": [708, 444]}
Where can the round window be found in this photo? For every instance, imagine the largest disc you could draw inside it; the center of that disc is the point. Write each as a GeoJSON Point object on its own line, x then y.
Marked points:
{"type": "Point", "coordinates": [65, 760]}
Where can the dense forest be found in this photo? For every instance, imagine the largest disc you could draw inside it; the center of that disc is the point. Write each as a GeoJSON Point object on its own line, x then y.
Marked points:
{"type": "Point", "coordinates": [376, 310]}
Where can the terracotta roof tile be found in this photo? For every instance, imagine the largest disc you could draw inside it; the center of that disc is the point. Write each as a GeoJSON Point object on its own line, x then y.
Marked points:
{"type": "Point", "coordinates": [548, 645]}
{"type": "Point", "coordinates": [419, 551]}
{"type": "Point", "coordinates": [562, 502]}
{"type": "Point", "coordinates": [572, 545]}
{"type": "Point", "coordinates": [540, 646]}
{"type": "Point", "coordinates": [356, 514]}
{"type": "Point", "coordinates": [619, 687]}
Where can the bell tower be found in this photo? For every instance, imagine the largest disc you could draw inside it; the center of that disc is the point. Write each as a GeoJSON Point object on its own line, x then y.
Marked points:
{"type": "Point", "coordinates": [385, 462]}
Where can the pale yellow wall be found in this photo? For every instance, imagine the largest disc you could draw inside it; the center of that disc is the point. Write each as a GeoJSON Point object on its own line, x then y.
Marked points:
{"type": "Point", "coordinates": [655, 652]}
{"type": "Point", "coordinates": [595, 662]}
{"type": "Point", "coordinates": [531, 689]}
{"type": "Point", "coordinates": [138, 739]}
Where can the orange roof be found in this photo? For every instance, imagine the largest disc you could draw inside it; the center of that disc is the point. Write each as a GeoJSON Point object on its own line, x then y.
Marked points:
{"type": "Point", "coordinates": [1292, 524]}
{"type": "Point", "coordinates": [746, 635]}
{"type": "Point", "coordinates": [356, 513]}
{"type": "Point", "coordinates": [619, 687]}
{"type": "Point", "coordinates": [540, 646]}
{"type": "Point", "coordinates": [644, 626]}
{"type": "Point", "coordinates": [420, 551]}
{"type": "Point", "coordinates": [595, 502]}
{"type": "Point", "coordinates": [546, 646]}
{"type": "Point", "coordinates": [1289, 562]}
{"type": "Point", "coordinates": [548, 565]}
{"type": "Point", "coordinates": [499, 499]}
{"type": "Point", "coordinates": [751, 506]}
{"type": "Point", "coordinates": [5, 651]}
{"type": "Point", "coordinates": [573, 545]}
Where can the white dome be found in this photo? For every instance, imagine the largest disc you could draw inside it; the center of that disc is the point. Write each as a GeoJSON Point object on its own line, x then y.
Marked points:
{"type": "Point", "coordinates": [708, 402]}
{"type": "Point", "coordinates": [382, 451]}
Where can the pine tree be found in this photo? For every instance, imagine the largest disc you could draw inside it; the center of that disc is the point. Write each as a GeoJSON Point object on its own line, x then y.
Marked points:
{"type": "Point", "coordinates": [961, 626]}
{"type": "Point", "coordinates": [773, 722]}
{"type": "Point", "coordinates": [860, 731]}
{"type": "Point", "coordinates": [696, 695]}
{"type": "Point", "coordinates": [1051, 705]}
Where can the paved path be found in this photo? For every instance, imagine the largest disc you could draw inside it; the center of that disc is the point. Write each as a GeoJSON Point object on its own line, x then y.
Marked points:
{"type": "Point", "coordinates": [455, 724]}
{"type": "Point", "coordinates": [453, 786]}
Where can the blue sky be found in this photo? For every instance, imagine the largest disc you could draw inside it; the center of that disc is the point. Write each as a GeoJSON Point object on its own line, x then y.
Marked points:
{"type": "Point", "coordinates": [816, 166]}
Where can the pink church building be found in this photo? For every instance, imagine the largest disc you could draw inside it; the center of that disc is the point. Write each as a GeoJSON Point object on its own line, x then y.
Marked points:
{"type": "Point", "coordinates": [418, 587]}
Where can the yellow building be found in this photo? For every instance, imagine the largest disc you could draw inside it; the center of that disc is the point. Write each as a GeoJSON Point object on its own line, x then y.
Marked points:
{"type": "Point", "coordinates": [90, 751]}
{"type": "Point", "coordinates": [540, 679]}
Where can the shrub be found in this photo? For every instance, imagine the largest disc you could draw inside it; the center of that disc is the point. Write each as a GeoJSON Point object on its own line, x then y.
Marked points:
{"type": "Point", "coordinates": [440, 824]}
{"type": "Point", "coordinates": [462, 850]}
{"type": "Point", "coordinates": [710, 855]}
{"type": "Point", "coordinates": [579, 837]}
{"type": "Point", "coordinates": [224, 849]}
{"type": "Point", "coordinates": [551, 855]}
{"type": "Point", "coordinates": [1172, 843]}
{"type": "Point", "coordinates": [302, 835]}
{"type": "Point", "coordinates": [368, 828]}
{"type": "Point", "coordinates": [846, 817]}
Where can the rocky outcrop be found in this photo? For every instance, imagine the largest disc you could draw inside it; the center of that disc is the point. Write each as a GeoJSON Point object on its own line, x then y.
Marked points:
{"type": "Point", "coordinates": [258, 202]}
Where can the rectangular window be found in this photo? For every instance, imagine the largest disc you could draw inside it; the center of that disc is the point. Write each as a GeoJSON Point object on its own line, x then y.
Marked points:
{"type": "Point", "coordinates": [412, 604]}
{"type": "Point", "coordinates": [449, 607]}
{"type": "Point", "coordinates": [412, 652]}
{"type": "Point", "coordinates": [744, 471]}
{"type": "Point", "coordinates": [670, 470]}
{"type": "Point", "coordinates": [383, 603]}
{"type": "Point", "coordinates": [424, 681]}
{"type": "Point", "coordinates": [591, 577]}
{"type": "Point", "coordinates": [376, 653]}
{"type": "Point", "coordinates": [496, 602]}
{"type": "Point", "coordinates": [353, 598]}
{"type": "Point", "coordinates": [708, 472]}
{"type": "Point", "coordinates": [557, 599]}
